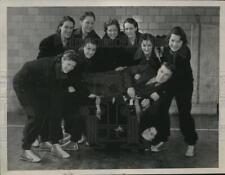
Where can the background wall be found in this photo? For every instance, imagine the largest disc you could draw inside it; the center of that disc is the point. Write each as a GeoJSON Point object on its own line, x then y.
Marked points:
{"type": "Point", "coordinates": [27, 26]}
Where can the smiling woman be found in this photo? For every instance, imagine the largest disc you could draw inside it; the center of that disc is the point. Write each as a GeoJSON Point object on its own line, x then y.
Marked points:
{"type": "Point", "coordinates": [87, 21]}
{"type": "Point", "coordinates": [60, 41]}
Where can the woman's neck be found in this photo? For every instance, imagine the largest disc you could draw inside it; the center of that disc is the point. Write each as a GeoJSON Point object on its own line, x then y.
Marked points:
{"type": "Point", "coordinates": [148, 56]}
{"type": "Point", "coordinates": [64, 40]}
{"type": "Point", "coordinates": [84, 33]}
{"type": "Point", "coordinates": [132, 39]}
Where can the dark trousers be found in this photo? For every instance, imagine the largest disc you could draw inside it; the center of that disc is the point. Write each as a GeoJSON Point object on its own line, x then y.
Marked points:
{"type": "Point", "coordinates": [163, 122]}
{"type": "Point", "coordinates": [35, 124]}
{"type": "Point", "coordinates": [36, 108]}
{"type": "Point", "coordinates": [183, 97]}
{"type": "Point", "coordinates": [66, 107]}
{"type": "Point", "coordinates": [160, 122]}
{"type": "Point", "coordinates": [74, 124]}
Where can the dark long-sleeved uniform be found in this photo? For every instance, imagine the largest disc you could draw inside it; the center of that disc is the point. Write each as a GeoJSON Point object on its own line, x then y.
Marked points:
{"type": "Point", "coordinates": [52, 46]}
{"type": "Point", "coordinates": [181, 87]}
{"type": "Point", "coordinates": [42, 89]}
{"type": "Point", "coordinates": [131, 49]}
{"type": "Point", "coordinates": [113, 53]}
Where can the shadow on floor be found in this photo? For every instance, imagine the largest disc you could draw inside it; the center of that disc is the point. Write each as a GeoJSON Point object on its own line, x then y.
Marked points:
{"type": "Point", "coordinates": [89, 158]}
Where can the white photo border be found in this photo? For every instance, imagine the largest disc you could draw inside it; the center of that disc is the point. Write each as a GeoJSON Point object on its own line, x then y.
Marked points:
{"type": "Point", "coordinates": [62, 3]}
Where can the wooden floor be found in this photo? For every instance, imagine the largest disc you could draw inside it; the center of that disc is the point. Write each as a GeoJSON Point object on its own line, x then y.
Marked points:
{"type": "Point", "coordinates": [89, 158]}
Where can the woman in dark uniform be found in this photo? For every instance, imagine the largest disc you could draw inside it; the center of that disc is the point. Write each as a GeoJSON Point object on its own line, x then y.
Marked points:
{"type": "Point", "coordinates": [130, 26]}
{"type": "Point", "coordinates": [60, 41]}
{"type": "Point", "coordinates": [86, 30]}
{"type": "Point", "coordinates": [113, 46]}
{"type": "Point", "coordinates": [181, 88]}
{"type": "Point", "coordinates": [41, 86]}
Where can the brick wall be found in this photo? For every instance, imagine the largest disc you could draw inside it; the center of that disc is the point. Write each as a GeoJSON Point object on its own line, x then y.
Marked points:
{"type": "Point", "coordinates": [27, 26]}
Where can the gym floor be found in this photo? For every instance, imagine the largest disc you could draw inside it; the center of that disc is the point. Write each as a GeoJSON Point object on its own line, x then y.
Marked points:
{"type": "Point", "coordinates": [89, 158]}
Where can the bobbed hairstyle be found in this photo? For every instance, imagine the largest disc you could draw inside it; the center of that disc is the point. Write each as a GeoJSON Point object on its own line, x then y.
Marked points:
{"type": "Point", "coordinates": [71, 55]}
{"type": "Point", "coordinates": [169, 66]}
{"type": "Point", "coordinates": [64, 19]}
{"type": "Point", "coordinates": [87, 13]}
{"type": "Point", "coordinates": [110, 22]}
{"type": "Point", "coordinates": [91, 41]}
{"type": "Point", "coordinates": [131, 21]}
{"type": "Point", "coordinates": [180, 32]}
{"type": "Point", "coordinates": [149, 37]}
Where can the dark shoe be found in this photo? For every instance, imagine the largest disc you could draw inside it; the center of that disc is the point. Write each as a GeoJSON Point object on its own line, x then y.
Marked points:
{"type": "Point", "coordinates": [29, 156]}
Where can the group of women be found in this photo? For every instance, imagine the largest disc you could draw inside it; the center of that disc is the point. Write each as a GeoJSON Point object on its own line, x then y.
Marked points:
{"type": "Point", "coordinates": [118, 50]}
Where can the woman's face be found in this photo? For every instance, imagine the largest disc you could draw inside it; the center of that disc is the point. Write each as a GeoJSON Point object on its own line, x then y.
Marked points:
{"type": "Point", "coordinates": [175, 43]}
{"type": "Point", "coordinates": [146, 47]}
{"type": "Point", "coordinates": [130, 30]}
{"type": "Point", "coordinates": [163, 74]}
{"type": "Point", "coordinates": [89, 50]}
{"type": "Point", "coordinates": [112, 31]}
{"type": "Point", "coordinates": [87, 24]}
{"type": "Point", "coordinates": [66, 29]}
{"type": "Point", "coordinates": [68, 65]}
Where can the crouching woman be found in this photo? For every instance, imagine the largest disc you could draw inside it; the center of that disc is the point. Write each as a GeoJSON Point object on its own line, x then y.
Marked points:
{"type": "Point", "coordinates": [40, 86]}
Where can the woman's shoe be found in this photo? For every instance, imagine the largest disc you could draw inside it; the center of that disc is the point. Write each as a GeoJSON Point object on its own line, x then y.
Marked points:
{"type": "Point", "coordinates": [73, 146]}
{"type": "Point", "coordinates": [190, 152]}
{"type": "Point", "coordinates": [45, 146]}
{"type": "Point", "coordinates": [59, 152]}
{"type": "Point", "coordinates": [83, 138]}
{"type": "Point", "coordinates": [36, 143]}
{"type": "Point", "coordinates": [29, 156]}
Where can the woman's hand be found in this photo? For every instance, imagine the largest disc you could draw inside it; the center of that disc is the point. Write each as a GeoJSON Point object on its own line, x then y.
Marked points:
{"type": "Point", "coordinates": [120, 68]}
{"type": "Point", "coordinates": [145, 103]}
{"type": "Point", "coordinates": [97, 100]}
{"type": "Point", "coordinates": [137, 76]}
{"type": "Point", "coordinates": [152, 80]}
{"type": "Point", "coordinates": [92, 96]}
{"type": "Point", "coordinates": [155, 96]}
{"type": "Point", "coordinates": [131, 92]}
{"type": "Point", "coordinates": [98, 107]}
{"type": "Point", "coordinates": [71, 89]}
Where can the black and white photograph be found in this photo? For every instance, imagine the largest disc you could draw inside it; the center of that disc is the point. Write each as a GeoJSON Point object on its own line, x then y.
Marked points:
{"type": "Point", "coordinates": [119, 87]}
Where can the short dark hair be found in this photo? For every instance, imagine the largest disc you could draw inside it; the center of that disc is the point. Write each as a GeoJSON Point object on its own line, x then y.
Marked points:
{"type": "Point", "coordinates": [71, 55]}
{"type": "Point", "coordinates": [87, 13]}
{"type": "Point", "coordinates": [64, 19]}
{"type": "Point", "coordinates": [131, 21]}
{"type": "Point", "coordinates": [169, 66]}
{"type": "Point", "coordinates": [147, 36]}
{"type": "Point", "coordinates": [110, 22]}
{"type": "Point", "coordinates": [90, 40]}
{"type": "Point", "coordinates": [180, 32]}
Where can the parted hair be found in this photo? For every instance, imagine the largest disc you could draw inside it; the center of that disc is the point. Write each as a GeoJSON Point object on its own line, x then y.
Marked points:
{"type": "Point", "coordinates": [71, 55]}
{"type": "Point", "coordinates": [110, 22]}
{"type": "Point", "coordinates": [131, 21]}
{"type": "Point", "coordinates": [180, 32]}
{"type": "Point", "coordinates": [87, 13]}
{"type": "Point", "coordinates": [64, 19]}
